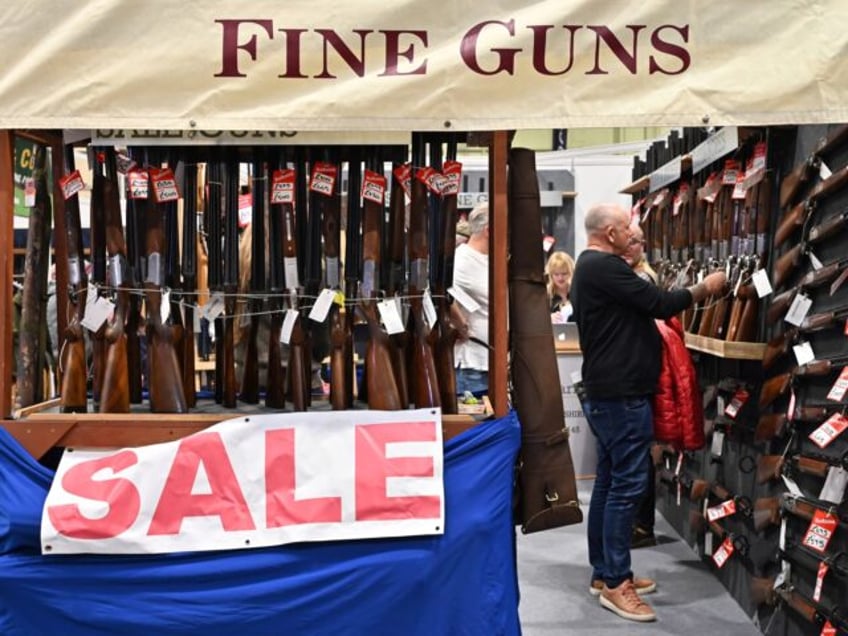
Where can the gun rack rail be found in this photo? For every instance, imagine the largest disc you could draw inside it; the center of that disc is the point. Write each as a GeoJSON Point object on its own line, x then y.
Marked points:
{"type": "Point", "coordinates": [724, 349]}
{"type": "Point", "coordinates": [39, 432]}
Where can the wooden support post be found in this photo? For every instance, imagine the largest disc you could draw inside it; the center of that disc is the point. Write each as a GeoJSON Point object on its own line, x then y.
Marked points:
{"type": "Point", "coordinates": [498, 305]}
{"type": "Point", "coordinates": [7, 244]}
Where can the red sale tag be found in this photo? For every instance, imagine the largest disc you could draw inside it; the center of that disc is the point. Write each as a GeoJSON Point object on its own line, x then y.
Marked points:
{"type": "Point", "coordinates": [323, 179]}
{"type": "Point", "coordinates": [430, 178]}
{"type": "Point", "coordinates": [138, 183]}
{"type": "Point", "coordinates": [164, 185]}
{"type": "Point", "coordinates": [820, 532]}
{"type": "Point", "coordinates": [403, 173]}
{"type": "Point", "coordinates": [739, 187]}
{"type": "Point", "coordinates": [282, 186]}
{"type": "Point", "coordinates": [736, 403]}
{"type": "Point", "coordinates": [724, 509]}
{"type": "Point", "coordinates": [837, 391]}
{"type": "Point", "coordinates": [452, 171]}
{"type": "Point", "coordinates": [70, 184]}
{"type": "Point", "coordinates": [373, 187]}
{"type": "Point", "coordinates": [829, 430]}
{"type": "Point", "coordinates": [828, 629]}
{"type": "Point", "coordinates": [724, 552]}
{"type": "Point", "coordinates": [823, 568]}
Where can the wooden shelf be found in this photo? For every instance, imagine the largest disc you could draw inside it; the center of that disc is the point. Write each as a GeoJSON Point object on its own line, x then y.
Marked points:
{"type": "Point", "coordinates": [724, 349]}
{"type": "Point", "coordinates": [644, 182]}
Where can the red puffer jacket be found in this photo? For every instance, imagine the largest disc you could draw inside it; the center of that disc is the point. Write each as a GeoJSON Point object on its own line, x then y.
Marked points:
{"type": "Point", "coordinates": [678, 408]}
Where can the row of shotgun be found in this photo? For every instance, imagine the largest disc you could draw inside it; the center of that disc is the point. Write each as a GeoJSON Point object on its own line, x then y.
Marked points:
{"type": "Point", "coordinates": [392, 251]}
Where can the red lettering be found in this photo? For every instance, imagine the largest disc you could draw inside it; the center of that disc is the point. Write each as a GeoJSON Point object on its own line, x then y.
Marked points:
{"type": "Point", "coordinates": [540, 45]}
{"type": "Point", "coordinates": [281, 507]}
{"type": "Point", "coordinates": [393, 53]}
{"type": "Point", "coordinates": [506, 57]}
{"type": "Point", "coordinates": [178, 502]}
{"type": "Point", "coordinates": [293, 53]}
{"type": "Point", "coordinates": [673, 50]}
{"type": "Point", "coordinates": [120, 495]}
{"type": "Point", "coordinates": [373, 467]}
{"type": "Point", "coordinates": [617, 48]}
{"type": "Point", "coordinates": [356, 64]}
{"type": "Point", "coordinates": [230, 44]}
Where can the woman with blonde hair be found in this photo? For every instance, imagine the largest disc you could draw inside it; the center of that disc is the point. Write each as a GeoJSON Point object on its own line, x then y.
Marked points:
{"type": "Point", "coordinates": [559, 270]}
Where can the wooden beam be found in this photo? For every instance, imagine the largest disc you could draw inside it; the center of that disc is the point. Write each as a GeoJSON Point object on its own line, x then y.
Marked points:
{"type": "Point", "coordinates": [7, 243]}
{"type": "Point", "coordinates": [498, 306]}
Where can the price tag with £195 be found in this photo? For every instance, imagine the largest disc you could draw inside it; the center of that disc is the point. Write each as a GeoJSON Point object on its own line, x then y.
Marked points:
{"type": "Point", "coordinates": [821, 531]}
{"type": "Point", "coordinates": [829, 430]}
{"type": "Point", "coordinates": [724, 552]}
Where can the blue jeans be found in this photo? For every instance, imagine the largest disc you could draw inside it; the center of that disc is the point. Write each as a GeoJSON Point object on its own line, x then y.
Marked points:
{"type": "Point", "coordinates": [623, 430]}
{"type": "Point", "coordinates": [473, 380]}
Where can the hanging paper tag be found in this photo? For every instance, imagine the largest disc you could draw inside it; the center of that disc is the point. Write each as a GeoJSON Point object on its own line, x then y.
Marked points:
{"type": "Point", "coordinates": [288, 325]}
{"type": "Point", "coordinates": [290, 272]}
{"type": "Point", "coordinates": [828, 629]}
{"type": "Point", "coordinates": [390, 316]}
{"type": "Point", "coordinates": [717, 445]}
{"type": "Point", "coordinates": [820, 532]}
{"type": "Point", "coordinates": [724, 509]}
{"type": "Point", "coordinates": [429, 309]}
{"type": "Point", "coordinates": [708, 543]}
{"type": "Point", "coordinates": [720, 403]}
{"type": "Point", "coordinates": [803, 353]}
{"type": "Point", "coordinates": [790, 410]}
{"type": "Point", "coordinates": [829, 430]}
{"type": "Point", "coordinates": [781, 543]}
{"type": "Point", "coordinates": [430, 178]}
{"type": "Point", "coordinates": [138, 183]}
{"type": "Point", "coordinates": [322, 305]}
{"type": "Point", "coordinates": [165, 306]}
{"type": "Point", "coordinates": [282, 186]}
{"type": "Point", "coordinates": [724, 552]}
{"type": "Point", "coordinates": [739, 187]}
{"type": "Point", "coordinates": [245, 209]}
{"type": "Point", "coordinates": [403, 173]}
{"type": "Point", "coordinates": [164, 185]}
{"type": "Point", "coordinates": [214, 307]}
{"type": "Point", "coordinates": [70, 184]}
{"type": "Point", "coordinates": [736, 403]}
{"type": "Point", "coordinates": [679, 465]}
{"type": "Point", "coordinates": [124, 163]}
{"type": "Point", "coordinates": [97, 311]}
{"type": "Point", "coordinates": [452, 171]}
{"type": "Point", "coordinates": [823, 568]}
{"type": "Point", "coordinates": [762, 283]}
{"type": "Point", "coordinates": [834, 485]}
{"type": "Point", "coordinates": [814, 261]}
{"type": "Point", "coordinates": [840, 387]}
{"type": "Point", "coordinates": [373, 187]}
{"type": "Point", "coordinates": [793, 488]}
{"type": "Point", "coordinates": [824, 171]}
{"type": "Point", "coordinates": [323, 179]}
{"type": "Point", "coordinates": [464, 299]}
{"type": "Point", "coordinates": [798, 310]}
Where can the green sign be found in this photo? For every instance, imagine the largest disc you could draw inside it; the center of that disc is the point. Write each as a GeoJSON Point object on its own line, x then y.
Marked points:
{"type": "Point", "coordinates": [24, 158]}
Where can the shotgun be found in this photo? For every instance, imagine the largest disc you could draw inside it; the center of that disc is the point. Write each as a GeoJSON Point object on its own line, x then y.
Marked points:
{"type": "Point", "coordinates": [773, 388]}
{"type": "Point", "coordinates": [230, 280]}
{"type": "Point", "coordinates": [798, 214]}
{"type": "Point", "coordinates": [806, 170]}
{"type": "Point", "coordinates": [769, 468]}
{"type": "Point", "coordinates": [779, 346]}
{"type": "Point", "coordinates": [740, 541]}
{"type": "Point", "coordinates": [281, 196]}
{"type": "Point", "coordinates": [816, 464]}
{"type": "Point", "coordinates": [213, 208]}
{"type": "Point", "coordinates": [805, 508]}
{"type": "Point", "coordinates": [173, 279]}
{"type": "Point", "coordinates": [762, 221]}
{"type": "Point", "coordinates": [800, 604]}
{"type": "Point", "coordinates": [813, 279]}
{"type": "Point", "coordinates": [803, 556]}
{"type": "Point", "coordinates": [115, 392]}
{"type": "Point", "coordinates": [250, 369]}
{"type": "Point", "coordinates": [743, 504]}
{"type": "Point", "coordinates": [787, 263]}
{"type": "Point", "coordinates": [97, 236]}
{"type": "Point", "coordinates": [381, 384]}
{"type": "Point", "coordinates": [548, 490]}
{"type": "Point", "coordinates": [164, 377]}
{"type": "Point", "coordinates": [135, 257]}
{"type": "Point", "coordinates": [447, 332]}
{"type": "Point", "coordinates": [188, 268]}
{"type": "Point", "coordinates": [352, 266]}
{"type": "Point", "coordinates": [770, 426]}
{"type": "Point", "coordinates": [308, 228]}
{"type": "Point", "coordinates": [396, 272]}
{"type": "Point", "coordinates": [424, 384]}
{"type": "Point", "coordinates": [74, 398]}
{"type": "Point", "coordinates": [695, 489]}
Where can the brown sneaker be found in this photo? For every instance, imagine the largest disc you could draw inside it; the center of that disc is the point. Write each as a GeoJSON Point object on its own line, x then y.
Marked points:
{"type": "Point", "coordinates": [624, 601]}
{"type": "Point", "coordinates": [643, 586]}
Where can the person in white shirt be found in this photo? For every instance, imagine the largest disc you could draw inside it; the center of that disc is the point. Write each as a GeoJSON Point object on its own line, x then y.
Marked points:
{"type": "Point", "coordinates": [471, 275]}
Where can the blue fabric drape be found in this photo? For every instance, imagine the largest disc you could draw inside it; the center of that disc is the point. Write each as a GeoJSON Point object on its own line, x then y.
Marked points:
{"type": "Point", "coordinates": [463, 582]}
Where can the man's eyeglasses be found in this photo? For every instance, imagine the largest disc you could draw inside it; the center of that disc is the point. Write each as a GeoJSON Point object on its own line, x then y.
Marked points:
{"type": "Point", "coordinates": [636, 241]}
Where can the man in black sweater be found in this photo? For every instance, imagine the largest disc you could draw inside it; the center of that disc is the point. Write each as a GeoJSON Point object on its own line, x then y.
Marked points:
{"type": "Point", "coordinates": [615, 311]}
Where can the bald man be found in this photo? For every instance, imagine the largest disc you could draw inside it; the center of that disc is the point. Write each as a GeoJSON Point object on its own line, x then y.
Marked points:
{"type": "Point", "coordinates": [615, 310]}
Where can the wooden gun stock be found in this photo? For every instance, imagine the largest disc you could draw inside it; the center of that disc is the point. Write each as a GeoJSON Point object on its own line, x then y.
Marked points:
{"type": "Point", "coordinates": [770, 426]}
{"type": "Point", "coordinates": [766, 513]}
{"type": "Point", "coordinates": [769, 467]}
{"type": "Point", "coordinates": [807, 609]}
{"type": "Point", "coordinates": [791, 221]}
{"type": "Point", "coordinates": [787, 264]}
{"type": "Point", "coordinates": [773, 388]}
{"type": "Point", "coordinates": [778, 347]}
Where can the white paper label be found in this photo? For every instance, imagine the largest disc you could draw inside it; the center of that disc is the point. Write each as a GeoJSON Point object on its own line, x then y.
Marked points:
{"type": "Point", "coordinates": [165, 306]}
{"type": "Point", "coordinates": [762, 283]}
{"type": "Point", "coordinates": [429, 309]}
{"type": "Point", "coordinates": [288, 325]}
{"type": "Point", "coordinates": [834, 485]}
{"type": "Point", "coordinates": [803, 353]}
{"type": "Point", "coordinates": [798, 310]}
{"type": "Point", "coordinates": [322, 305]}
{"type": "Point", "coordinates": [462, 297]}
{"type": "Point", "coordinates": [214, 308]}
{"type": "Point", "coordinates": [815, 262]}
{"type": "Point", "coordinates": [717, 445]}
{"type": "Point", "coordinates": [389, 314]}
{"type": "Point", "coordinates": [97, 311]}
{"type": "Point", "coordinates": [290, 272]}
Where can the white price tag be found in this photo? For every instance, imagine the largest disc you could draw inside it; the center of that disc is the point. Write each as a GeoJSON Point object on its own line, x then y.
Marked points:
{"type": "Point", "coordinates": [165, 306]}
{"type": "Point", "coordinates": [288, 325]}
{"type": "Point", "coordinates": [322, 305]}
{"type": "Point", "coordinates": [815, 262]}
{"type": "Point", "coordinates": [791, 486]}
{"type": "Point", "coordinates": [462, 297]}
{"type": "Point", "coordinates": [834, 485]}
{"type": "Point", "coordinates": [214, 307]}
{"type": "Point", "coordinates": [798, 310]}
{"type": "Point", "coordinates": [762, 283]}
{"type": "Point", "coordinates": [96, 312]}
{"type": "Point", "coordinates": [803, 353]}
{"type": "Point", "coordinates": [429, 309]}
{"type": "Point", "coordinates": [576, 376]}
{"type": "Point", "coordinates": [717, 445]}
{"type": "Point", "coordinates": [708, 543]}
{"type": "Point", "coordinates": [290, 272]}
{"type": "Point", "coordinates": [390, 316]}
{"type": "Point", "coordinates": [824, 171]}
